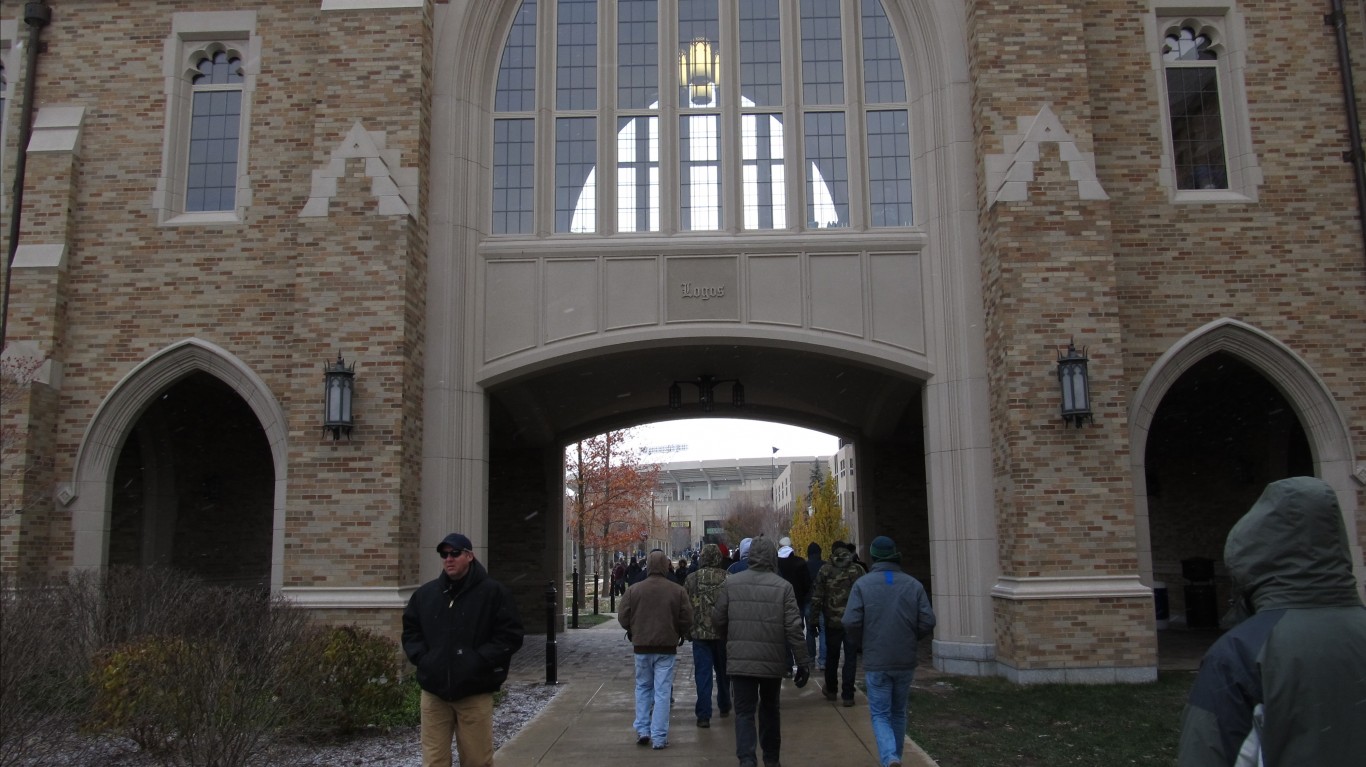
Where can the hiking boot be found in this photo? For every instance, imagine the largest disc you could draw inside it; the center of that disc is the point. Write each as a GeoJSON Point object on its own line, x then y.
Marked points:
{"type": "Point", "coordinates": [830, 695]}
{"type": "Point", "coordinates": [704, 723]}
{"type": "Point", "coordinates": [848, 703]}
{"type": "Point", "coordinates": [642, 740]}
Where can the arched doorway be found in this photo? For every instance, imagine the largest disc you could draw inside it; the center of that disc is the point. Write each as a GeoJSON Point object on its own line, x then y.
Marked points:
{"type": "Point", "coordinates": [193, 487]}
{"type": "Point", "coordinates": [533, 416]}
{"type": "Point", "coordinates": [143, 467]}
{"type": "Point", "coordinates": [1227, 409]}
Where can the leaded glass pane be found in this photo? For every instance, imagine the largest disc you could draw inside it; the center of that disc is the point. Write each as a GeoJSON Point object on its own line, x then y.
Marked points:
{"type": "Point", "coordinates": [1197, 127]}
{"type": "Point", "coordinates": [638, 174]}
{"type": "Point", "coordinates": [883, 80]}
{"type": "Point", "coordinates": [761, 49]}
{"type": "Point", "coordinates": [762, 171]}
{"type": "Point", "coordinates": [576, 149]}
{"type": "Point", "coordinates": [517, 71]}
{"type": "Point", "coordinates": [697, 21]}
{"type": "Point", "coordinates": [215, 120]}
{"type": "Point", "coordinates": [889, 168]}
{"type": "Point", "coordinates": [822, 53]}
{"type": "Point", "coordinates": [576, 55]}
{"type": "Point", "coordinates": [638, 54]}
{"type": "Point", "coordinates": [514, 144]}
{"type": "Point", "coordinates": [827, 162]}
{"type": "Point", "coordinates": [700, 172]}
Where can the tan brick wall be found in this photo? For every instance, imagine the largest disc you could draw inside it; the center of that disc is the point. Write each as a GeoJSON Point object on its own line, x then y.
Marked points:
{"type": "Point", "coordinates": [281, 293]}
{"type": "Point", "coordinates": [1103, 632]}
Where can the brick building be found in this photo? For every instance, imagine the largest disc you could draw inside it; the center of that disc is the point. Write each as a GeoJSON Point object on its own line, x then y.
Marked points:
{"type": "Point", "coordinates": [523, 222]}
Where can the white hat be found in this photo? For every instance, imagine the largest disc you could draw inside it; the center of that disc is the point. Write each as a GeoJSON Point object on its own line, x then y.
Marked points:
{"type": "Point", "coordinates": [784, 541]}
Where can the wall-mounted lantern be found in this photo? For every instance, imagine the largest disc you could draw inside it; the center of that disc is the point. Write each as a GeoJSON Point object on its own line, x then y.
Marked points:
{"type": "Point", "coordinates": [699, 66]}
{"type": "Point", "coordinates": [1076, 385]}
{"type": "Point", "coordinates": [706, 394]}
{"type": "Point", "coordinates": [338, 387]}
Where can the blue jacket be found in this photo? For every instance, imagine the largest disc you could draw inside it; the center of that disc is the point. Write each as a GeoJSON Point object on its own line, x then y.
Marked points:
{"type": "Point", "coordinates": [887, 613]}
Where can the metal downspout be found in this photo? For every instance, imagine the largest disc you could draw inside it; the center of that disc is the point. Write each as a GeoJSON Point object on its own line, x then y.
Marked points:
{"type": "Point", "coordinates": [36, 15]}
{"type": "Point", "coordinates": [1338, 18]}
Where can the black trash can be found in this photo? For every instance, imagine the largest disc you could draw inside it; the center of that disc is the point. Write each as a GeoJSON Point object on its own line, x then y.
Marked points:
{"type": "Point", "coordinates": [1202, 606]}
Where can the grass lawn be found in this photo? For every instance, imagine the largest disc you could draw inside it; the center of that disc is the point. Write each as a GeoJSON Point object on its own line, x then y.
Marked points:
{"type": "Point", "coordinates": [988, 722]}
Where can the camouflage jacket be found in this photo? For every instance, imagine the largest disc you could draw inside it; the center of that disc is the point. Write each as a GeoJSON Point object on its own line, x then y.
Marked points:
{"type": "Point", "coordinates": [833, 584]}
{"type": "Point", "coordinates": [702, 586]}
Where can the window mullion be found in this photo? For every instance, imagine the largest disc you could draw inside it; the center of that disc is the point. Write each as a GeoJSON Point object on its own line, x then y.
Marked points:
{"type": "Point", "coordinates": [794, 162]}
{"type": "Point", "coordinates": [607, 119]}
{"type": "Point", "coordinates": [544, 193]}
{"type": "Point", "coordinates": [851, 27]}
{"type": "Point", "coordinates": [670, 176]}
{"type": "Point", "coordinates": [729, 130]}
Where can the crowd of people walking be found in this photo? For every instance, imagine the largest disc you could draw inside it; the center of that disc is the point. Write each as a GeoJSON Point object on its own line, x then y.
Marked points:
{"type": "Point", "coordinates": [765, 616]}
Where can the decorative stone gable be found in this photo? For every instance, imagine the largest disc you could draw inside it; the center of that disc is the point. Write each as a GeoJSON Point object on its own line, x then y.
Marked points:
{"type": "Point", "coordinates": [1009, 174]}
{"type": "Point", "coordinates": [394, 187]}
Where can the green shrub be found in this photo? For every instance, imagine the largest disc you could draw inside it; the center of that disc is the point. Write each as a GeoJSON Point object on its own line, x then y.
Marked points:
{"type": "Point", "coordinates": [356, 675]}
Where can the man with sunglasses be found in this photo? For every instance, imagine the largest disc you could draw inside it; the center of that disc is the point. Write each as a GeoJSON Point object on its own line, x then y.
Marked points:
{"type": "Point", "coordinates": [460, 630]}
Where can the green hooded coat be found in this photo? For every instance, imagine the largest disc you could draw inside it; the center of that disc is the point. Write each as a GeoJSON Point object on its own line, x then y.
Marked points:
{"type": "Point", "coordinates": [1290, 679]}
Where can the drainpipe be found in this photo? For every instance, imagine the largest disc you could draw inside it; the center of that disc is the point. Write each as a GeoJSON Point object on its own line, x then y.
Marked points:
{"type": "Point", "coordinates": [1338, 18]}
{"type": "Point", "coordinates": [36, 15]}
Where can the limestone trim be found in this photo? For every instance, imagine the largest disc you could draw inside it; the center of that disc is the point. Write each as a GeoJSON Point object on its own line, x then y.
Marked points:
{"type": "Point", "coordinates": [1330, 441]}
{"type": "Point", "coordinates": [369, 5]}
{"type": "Point", "coordinates": [1009, 173]}
{"type": "Point", "coordinates": [357, 597]}
{"type": "Point", "coordinates": [89, 493]}
{"type": "Point", "coordinates": [1018, 589]}
{"type": "Point", "coordinates": [395, 188]}
{"type": "Point", "coordinates": [56, 129]}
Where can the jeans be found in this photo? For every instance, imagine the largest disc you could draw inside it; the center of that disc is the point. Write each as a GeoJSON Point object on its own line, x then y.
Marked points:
{"type": "Point", "coordinates": [709, 655]}
{"type": "Point", "coordinates": [654, 687]}
{"type": "Point", "coordinates": [835, 641]}
{"type": "Point", "coordinates": [888, 695]}
{"type": "Point", "coordinates": [761, 693]}
{"type": "Point", "coordinates": [815, 646]}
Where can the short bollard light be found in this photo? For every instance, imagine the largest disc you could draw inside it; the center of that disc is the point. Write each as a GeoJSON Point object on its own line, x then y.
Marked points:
{"type": "Point", "coordinates": [552, 661]}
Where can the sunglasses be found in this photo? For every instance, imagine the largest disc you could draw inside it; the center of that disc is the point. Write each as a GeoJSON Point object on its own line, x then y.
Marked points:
{"type": "Point", "coordinates": [451, 554]}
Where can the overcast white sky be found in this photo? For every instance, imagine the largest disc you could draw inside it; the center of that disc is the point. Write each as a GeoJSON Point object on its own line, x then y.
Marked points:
{"type": "Point", "coordinates": [708, 438]}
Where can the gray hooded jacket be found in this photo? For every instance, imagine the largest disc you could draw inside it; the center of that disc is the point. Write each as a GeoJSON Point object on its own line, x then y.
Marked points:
{"type": "Point", "coordinates": [757, 613]}
{"type": "Point", "coordinates": [1295, 669]}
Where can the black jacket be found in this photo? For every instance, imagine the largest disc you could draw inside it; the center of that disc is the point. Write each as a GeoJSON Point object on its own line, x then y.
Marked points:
{"type": "Point", "coordinates": [461, 641]}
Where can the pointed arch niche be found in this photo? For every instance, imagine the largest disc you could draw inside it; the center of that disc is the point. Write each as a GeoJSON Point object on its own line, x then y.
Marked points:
{"type": "Point", "coordinates": [1318, 414]}
{"type": "Point", "coordinates": [89, 495]}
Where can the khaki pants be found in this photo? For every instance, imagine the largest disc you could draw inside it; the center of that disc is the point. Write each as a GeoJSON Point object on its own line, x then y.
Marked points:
{"type": "Point", "coordinates": [470, 720]}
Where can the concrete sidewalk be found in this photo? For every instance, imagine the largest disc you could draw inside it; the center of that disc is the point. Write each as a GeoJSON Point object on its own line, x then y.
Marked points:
{"type": "Point", "coordinates": [589, 721]}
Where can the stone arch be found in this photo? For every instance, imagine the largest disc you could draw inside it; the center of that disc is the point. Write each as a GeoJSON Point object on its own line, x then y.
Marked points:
{"type": "Point", "coordinates": [1314, 406]}
{"type": "Point", "coordinates": [89, 494]}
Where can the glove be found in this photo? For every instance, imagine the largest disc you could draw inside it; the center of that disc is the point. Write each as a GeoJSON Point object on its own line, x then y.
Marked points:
{"type": "Point", "coordinates": [803, 674]}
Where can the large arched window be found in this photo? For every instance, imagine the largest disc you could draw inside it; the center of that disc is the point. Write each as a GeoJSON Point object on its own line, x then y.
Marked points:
{"type": "Point", "coordinates": [700, 116]}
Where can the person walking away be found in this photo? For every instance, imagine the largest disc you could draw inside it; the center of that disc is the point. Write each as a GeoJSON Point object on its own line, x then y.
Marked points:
{"type": "Point", "coordinates": [833, 584]}
{"type": "Point", "coordinates": [793, 569]}
{"type": "Point", "coordinates": [757, 612]}
{"type": "Point", "coordinates": [741, 557]}
{"type": "Point", "coordinates": [460, 630]}
{"type": "Point", "coordinates": [619, 578]}
{"type": "Point", "coordinates": [887, 615]}
{"type": "Point", "coordinates": [708, 646]}
{"type": "Point", "coordinates": [1286, 684]}
{"type": "Point", "coordinates": [657, 616]}
{"type": "Point", "coordinates": [815, 640]}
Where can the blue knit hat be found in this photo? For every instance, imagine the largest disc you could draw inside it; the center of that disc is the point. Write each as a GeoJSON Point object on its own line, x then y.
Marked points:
{"type": "Point", "coordinates": [883, 549]}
